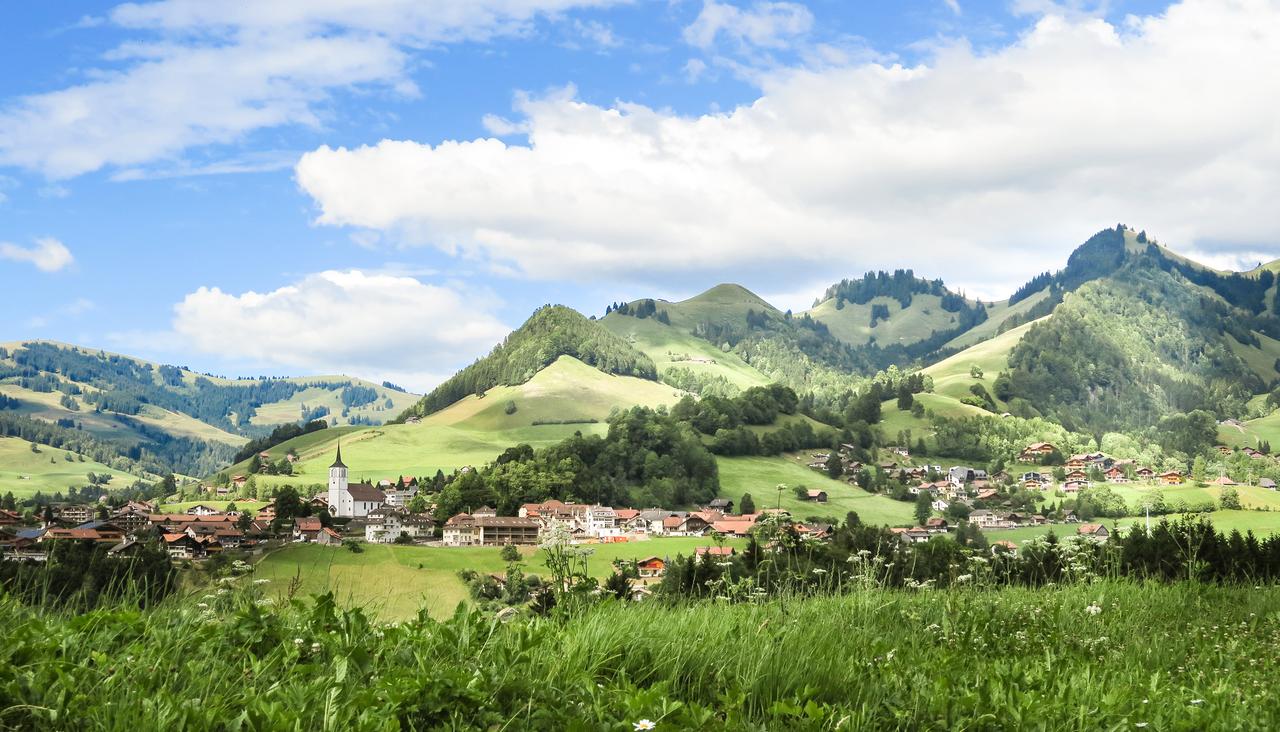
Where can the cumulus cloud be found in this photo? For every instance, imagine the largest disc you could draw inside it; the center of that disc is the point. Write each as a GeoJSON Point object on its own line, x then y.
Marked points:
{"type": "Point", "coordinates": [977, 166]}
{"type": "Point", "coordinates": [763, 25]}
{"type": "Point", "coordinates": [372, 325]}
{"type": "Point", "coordinates": [203, 73]}
{"type": "Point", "coordinates": [48, 254]}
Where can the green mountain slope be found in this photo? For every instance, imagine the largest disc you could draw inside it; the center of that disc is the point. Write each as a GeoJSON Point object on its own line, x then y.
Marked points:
{"type": "Point", "coordinates": [551, 332]}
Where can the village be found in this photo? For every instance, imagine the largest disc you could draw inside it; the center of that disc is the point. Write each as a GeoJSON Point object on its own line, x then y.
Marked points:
{"type": "Point", "coordinates": [350, 513]}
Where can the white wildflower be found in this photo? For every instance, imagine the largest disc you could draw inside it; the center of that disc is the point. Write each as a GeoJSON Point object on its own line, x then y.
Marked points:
{"type": "Point", "coordinates": [202, 605]}
{"type": "Point", "coordinates": [1093, 609]}
{"type": "Point", "coordinates": [963, 578]}
{"type": "Point", "coordinates": [1197, 701]}
{"type": "Point", "coordinates": [261, 581]}
{"type": "Point", "coordinates": [315, 647]}
{"type": "Point", "coordinates": [298, 641]}
{"type": "Point", "coordinates": [644, 724]}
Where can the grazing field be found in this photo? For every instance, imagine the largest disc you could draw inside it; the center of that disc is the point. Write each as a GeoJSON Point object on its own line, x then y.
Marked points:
{"type": "Point", "coordinates": [668, 347]}
{"type": "Point", "coordinates": [393, 581]}
{"type": "Point", "coordinates": [49, 471]}
{"type": "Point", "coordinates": [1264, 428]}
{"type": "Point", "coordinates": [474, 430]}
{"type": "Point", "coordinates": [951, 375]}
{"type": "Point", "coordinates": [761, 476]}
{"type": "Point", "coordinates": [222, 504]}
{"type": "Point", "coordinates": [894, 420]}
{"type": "Point", "coordinates": [852, 323]}
{"type": "Point", "coordinates": [1111, 655]}
{"type": "Point", "coordinates": [290, 410]}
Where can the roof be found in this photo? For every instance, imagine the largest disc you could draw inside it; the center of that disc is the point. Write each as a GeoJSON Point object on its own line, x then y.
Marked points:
{"type": "Point", "coordinates": [1090, 528]}
{"type": "Point", "coordinates": [337, 463]}
{"type": "Point", "coordinates": [366, 492]}
{"type": "Point", "coordinates": [307, 523]}
{"type": "Point", "coordinates": [329, 530]}
{"type": "Point", "coordinates": [626, 514]}
{"type": "Point", "coordinates": [715, 551]}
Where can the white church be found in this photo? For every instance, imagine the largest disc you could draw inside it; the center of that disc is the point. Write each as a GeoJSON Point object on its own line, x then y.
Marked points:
{"type": "Point", "coordinates": [348, 500]}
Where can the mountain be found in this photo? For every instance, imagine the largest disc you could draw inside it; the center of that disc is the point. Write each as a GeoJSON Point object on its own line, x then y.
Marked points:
{"type": "Point", "coordinates": [143, 418]}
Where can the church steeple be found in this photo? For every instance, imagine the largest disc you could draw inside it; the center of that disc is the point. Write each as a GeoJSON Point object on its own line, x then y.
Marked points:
{"type": "Point", "coordinates": [338, 462]}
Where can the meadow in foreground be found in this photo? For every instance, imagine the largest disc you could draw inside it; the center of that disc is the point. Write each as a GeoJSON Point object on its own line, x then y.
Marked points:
{"type": "Point", "coordinates": [1114, 654]}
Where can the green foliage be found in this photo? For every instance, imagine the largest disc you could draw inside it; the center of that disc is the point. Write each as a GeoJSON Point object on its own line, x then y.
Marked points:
{"type": "Point", "coordinates": [551, 332]}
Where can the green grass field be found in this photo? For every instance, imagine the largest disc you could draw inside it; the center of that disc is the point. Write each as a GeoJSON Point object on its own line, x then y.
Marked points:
{"type": "Point", "coordinates": [760, 476]}
{"type": "Point", "coordinates": [395, 581]}
{"type": "Point", "coordinates": [852, 323]}
{"type": "Point", "coordinates": [474, 430]}
{"type": "Point", "coordinates": [668, 346]}
{"type": "Point", "coordinates": [951, 375]}
{"type": "Point", "coordinates": [1264, 428]}
{"type": "Point", "coordinates": [24, 472]}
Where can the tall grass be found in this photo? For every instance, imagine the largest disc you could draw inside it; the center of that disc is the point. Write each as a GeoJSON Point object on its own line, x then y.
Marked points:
{"type": "Point", "coordinates": [1109, 655]}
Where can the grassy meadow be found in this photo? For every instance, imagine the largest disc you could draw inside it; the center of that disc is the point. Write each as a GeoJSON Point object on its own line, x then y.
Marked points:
{"type": "Point", "coordinates": [760, 476]}
{"type": "Point", "coordinates": [671, 347]}
{"type": "Point", "coordinates": [393, 582]}
{"type": "Point", "coordinates": [24, 472]}
{"type": "Point", "coordinates": [1110, 655]}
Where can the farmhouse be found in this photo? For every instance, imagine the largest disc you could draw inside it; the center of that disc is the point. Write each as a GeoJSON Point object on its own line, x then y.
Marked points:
{"type": "Point", "coordinates": [714, 551]}
{"type": "Point", "coordinates": [1267, 483]}
{"type": "Point", "coordinates": [1172, 477]}
{"type": "Point", "coordinates": [202, 510]}
{"type": "Point", "coordinates": [650, 567]}
{"type": "Point", "coordinates": [1145, 473]}
{"type": "Point", "coordinates": [306, 528]}
{"type": "Point", "coordinates": [1036, 450]}
{"type": "Point", "coordinates": [1097, 531]}
{"type": "Point", "coordinates": [816, 496]}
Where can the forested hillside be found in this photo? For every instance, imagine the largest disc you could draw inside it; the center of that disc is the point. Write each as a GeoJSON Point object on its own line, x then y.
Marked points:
{"type": "Point", "coordinates": [551, 332]}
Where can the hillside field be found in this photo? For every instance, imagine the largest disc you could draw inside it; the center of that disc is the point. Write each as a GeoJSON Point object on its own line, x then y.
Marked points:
{"type": "Point", "coordinates": [476, 429]}
{"type": "Point", "coordinates": [760, 476]}
{"type": "Point", "coordinates": [669, 347]}
{"type": "Point", "coordinates": [394, 581]}
{"type": "Point", "coordinates": [24, 472]}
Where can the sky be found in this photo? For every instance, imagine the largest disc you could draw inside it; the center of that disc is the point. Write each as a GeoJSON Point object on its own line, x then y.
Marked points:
{"type": "Point", "coordinates": [385, 188]}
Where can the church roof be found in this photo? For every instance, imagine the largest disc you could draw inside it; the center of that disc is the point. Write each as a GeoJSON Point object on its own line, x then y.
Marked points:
{"type": "Point", "coordinates": [338, 462]}
{"type": "Point", "coordinates": [366, 492]}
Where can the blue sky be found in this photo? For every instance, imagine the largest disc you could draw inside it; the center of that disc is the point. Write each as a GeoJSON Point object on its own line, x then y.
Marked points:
{"type": "Point", "coordinates": [385, 187]}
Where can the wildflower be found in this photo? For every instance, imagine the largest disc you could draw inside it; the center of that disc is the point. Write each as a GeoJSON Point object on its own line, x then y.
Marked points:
{"type": "Point", "coordinates": [202, 605]}
{"type": "Point", "coordinates": [817, 570]}
{"type": "Point", "coordinates": [645, 724]}
{"type": "Point", "coordinates": [963, 578]}
{"type": "Point", "coordinates": [315, 647]}
{"type": "Point", "coordinates": [298, 641]}
{"type": "Point", "coordinates": [1197, 701]}
{"type": "Point", "coordinates": [261, 581]}
{"type": "Point", "coordinates": [1140, 724]}
{"type": "Point", "coordinates": [1093, 609]}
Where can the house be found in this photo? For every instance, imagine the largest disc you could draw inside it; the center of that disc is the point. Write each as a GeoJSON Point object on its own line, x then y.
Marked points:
{"type": "Point", "coordinates": [984, 519]}
{"type": "Point", "coordinates": [816, 496]}
{"type": "Point", "coordinates": [723, 505]}
{"type": "Point", "coordinates": [352, 500]}
{"type": "Point", "coordinates": [202, 510]}
{"type": "Point", "coordinates": [651, 567]}
{"type": "Point", "coordinates": [738, 526]}
{"type": "Point", "coordinates": [1223, 481]}
{"type": "Point", "coordinates": [1097, 531]}
{"type": "Point", "coordinates": [388, 524]}
{"type": "Point", "coordinates": [1222, 449]}
{"type": "Point", "coordinates": [687, 525]}
{"type": "Point", "coordinates": [328, 537]}
{"type": "Point", "coordinates": [1036, 450]}
{"type": "Point", "coordinates": [73, 513]}
{"type": "Point", "coordinates": [936, 525]}
{"type": "Point", "coordinates": [915, 535]}
{"type": "Point", "coordinates": [183, 546]}
{"type": "Point", "coordinates": [940, 505]}
{"type": "Point", "coordinates": [1074, 486]}
{"type": "Point", "coordinates": [1077, 462]}
{"type": "Point", "coordinates": [899, 451]}
{"type": "Point", "coordinates": [471, 530]}
{"type": "Point", "coordinates": [1171, 477]}
{"type": "Point", "coordinates": [1069, 516]}
{"type": "Point", "coordinates": [1077, 476]}
{"type": "Point", "coordinates": [81, 534]}
{"type": "Point", "coordinates": [1144, 473]}
{"type": "Point", "coordinates": [1267, 483]}
{"type": "Point", "coordinates": [239, 481]}
{"type": "Point", "coordinates": [9, 518]}
{"type": "Point", "coordinates": [1116, 475]}
{"type": "Point", "coordinates": [306, 528]}
{"type": "Point", "coordinates": [1004, 545]}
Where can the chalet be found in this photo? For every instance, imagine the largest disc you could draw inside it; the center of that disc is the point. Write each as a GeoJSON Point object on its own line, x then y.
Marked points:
{"type": "Point", "coordinates": [1171, 477]}
{"type": "Point", "coordinates": [651, 567]}
{"type": "Point", "coordinates": [984, 519]}
{"type": "Point", "coordinates": [1267, 483]}
{"type": "Point", "coordinates": [1077, 462]}
{"type": "Point", "coordinates": [629, 520]}
{"type": "Point", "coordinates": [202, 510]}
{"type": "Point", "coordinates": [936, 525]}
{"type": "Point", "coordinates": [1004, 545]}
{"type": "Point", "coordinates": [1116, 475]}
{"type": "Point", "coordinates": [1038, 520]}
{"type": "Point", "coordinates": [1069, 516]}
{"type": "Point", "coordinates": [239, 481]}
{"type": "Point", "coordinates": [687, 525]}
{"type": "Point", "coordinates": [723, 505]}
{"type": "Point", "coordinates": [601, 521]}
{"type": "Point", "coordinates": [10, 518]}
{"type": "Point", "coordinates": [714, 551]}
{"type": "Point", "coordinates": [1223, 449]}
{"type": "Point", "coordinates": [1222, 481]}
{"type": "Point", "coordinates": [1144, 473]}
{"type": "Point", "coordinates": [183, 546]}
{"type": "Point", "coordinates": [987, 494]}
{"type": "Point", "coordinates": [1033, 477]}
{"type": "Point", "coordinates": [813, 530]}
{"type": "Point", "coordinates": [306, 528]}
{"type": "Point", "coordinates": [940, 505]}
{"type": "Point", "coordinates": [111, 536]}
{"type": "Point", "coordinates": [899, 451]}
{"type": "Point", "coordinates": [1097, 531]}
{"type": "Point", "coordinates": [1077, 476]}
{"type": "Point", "coordinates": [915, 535]}
{"type": "Point", "coordinates": [1074, 486]}
{"type": "Point", "coordinates": [328, 537]}
{"type": "Point", "coordinates": [1036, 450]}
{"type": "Point", "coordinates": [816, 496]}
{"type": "Point", "coordinates": [471, 530]}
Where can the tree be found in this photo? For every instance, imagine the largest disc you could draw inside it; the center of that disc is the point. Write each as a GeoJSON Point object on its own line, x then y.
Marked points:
{"type": "Point", "coordinates": [288, 504]}
{"type": "Point", "coordinates": [975, 371]}
{"type": "Point", "coordinates": [243, 522]}
{"type": "Point", "coordinates": [746, 505]}
{"type": "Point", "coordinates": [835, 466]}
{"type": "Point", "coordinates": [924, 508]}
{"type": "Point", "coordinates": [510, 553]}
{"type": "Point", "coordinates": [1229, 499]}
{"type": "Point", "coordinates": [1198, 469]}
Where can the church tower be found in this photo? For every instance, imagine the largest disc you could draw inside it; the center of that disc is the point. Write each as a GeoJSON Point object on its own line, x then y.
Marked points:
{"type": "Point", "coordinates": [338, 486]}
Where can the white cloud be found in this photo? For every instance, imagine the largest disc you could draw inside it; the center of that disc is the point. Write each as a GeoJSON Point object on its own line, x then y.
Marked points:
{"type": "Point", "coordinates": [48, 254]}
{"type": "Point", "coordinates": [763, 25]}
{"type": "Point", "coordinates": [212, 73]}
{"type": "Point", "coordinates": [953, 6]}
{"type": "Point", "coordinates": [371, 325]}
{"type": "Point", "coordinates": [980, 167]}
